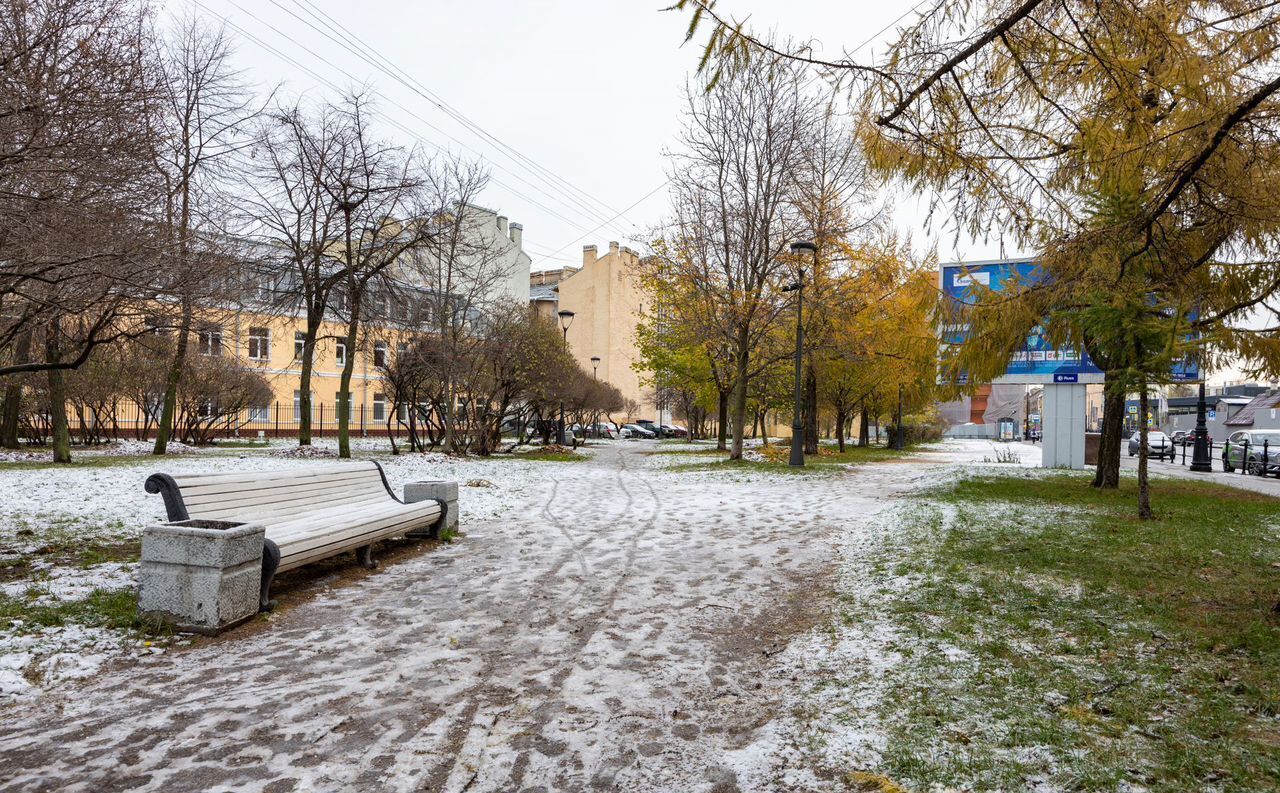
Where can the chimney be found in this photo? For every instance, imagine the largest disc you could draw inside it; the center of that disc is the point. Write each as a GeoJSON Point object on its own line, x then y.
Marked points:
{"type": "Point", "coordinates": [502, 225]}
{"type": "Point", "coordinates": [517, 234]}
{"type": "Point", "coordinates": [588, 255]}
{"type": "Point", "coordinates": [613, 248]}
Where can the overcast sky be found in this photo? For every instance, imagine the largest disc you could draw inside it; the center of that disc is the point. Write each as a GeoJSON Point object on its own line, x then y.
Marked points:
{"type": "Point", "coordinates": [580, 97]}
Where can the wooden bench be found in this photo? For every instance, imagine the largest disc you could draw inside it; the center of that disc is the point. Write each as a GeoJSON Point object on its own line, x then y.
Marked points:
{"type": "Point", "coordinates": [309, 514]}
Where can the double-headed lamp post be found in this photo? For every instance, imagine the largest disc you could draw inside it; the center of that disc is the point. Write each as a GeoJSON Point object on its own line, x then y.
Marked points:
{"type": "Point", "coordinates": [566, 319]}
{"type": "Point", "coordinates": [595, 378]}
{"type": "Point", "coordinates": [797, 423]}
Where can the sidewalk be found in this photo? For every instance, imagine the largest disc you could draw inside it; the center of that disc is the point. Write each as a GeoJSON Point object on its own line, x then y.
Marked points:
{"type": "Point", "coordinates": [1259, 484]}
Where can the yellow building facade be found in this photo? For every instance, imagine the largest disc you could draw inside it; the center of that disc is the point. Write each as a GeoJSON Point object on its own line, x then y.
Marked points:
{"type": "Point", "coordinates": [608, 304]}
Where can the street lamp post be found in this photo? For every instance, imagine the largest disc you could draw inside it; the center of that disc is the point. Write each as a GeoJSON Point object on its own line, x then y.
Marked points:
{"type": "Point", "coordinates": [566, 319]}
{"type": "Point", "coordinates": [797, 424]}
{"type": "Point", "coordinates": [595, 378]}
{"type": "Point", "coordinates": [1200, 460]}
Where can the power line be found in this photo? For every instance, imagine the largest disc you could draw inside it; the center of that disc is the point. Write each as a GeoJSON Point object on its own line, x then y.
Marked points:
{"type": "Point", "coordinates": [392, 121]}
{"type": "Point", "coordinates": [602, 225]}
{"type": "Point", "coordinates": [388, 67]}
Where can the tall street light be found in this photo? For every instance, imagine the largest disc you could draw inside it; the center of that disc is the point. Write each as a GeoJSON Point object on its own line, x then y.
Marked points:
{"type": "Point", "coordinates": [797, 424]}
{"type": "Point", "coordinates": [1200, 460]}
{"type": "Point", "coordinates": [595, 378]}
{"type": "Point", "coordinates": [566, 319]}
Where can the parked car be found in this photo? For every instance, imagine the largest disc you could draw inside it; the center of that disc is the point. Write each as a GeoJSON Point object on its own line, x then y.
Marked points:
{"type": "Point", "coordinates": [1252, 450]}
{"type": "Point", "coordinates": [675, 431]}
{"type": "Point", "coordinates": [640, 432]}
{"type": "Point", "coordinates": [1159, 445]}
{"type": "Point", "coordinates": [1181, 438]}
{"type": "Point", "coordinates": [652, 426]}
{"type": "Point", "coordinates": [604, 429]}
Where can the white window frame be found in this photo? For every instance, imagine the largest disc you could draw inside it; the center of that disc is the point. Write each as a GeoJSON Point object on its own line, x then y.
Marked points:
{"type": "Point", "coordinates": [340, 352]}
{"type": "Point", "coordinates": [379, 353]}
{"type": "Point", "coordinates": [209, 341]}
{"type": "Point", "coordinates": [262, 341]}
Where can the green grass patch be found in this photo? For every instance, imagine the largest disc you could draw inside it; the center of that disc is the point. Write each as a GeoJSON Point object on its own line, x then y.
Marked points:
{"type": "Point", "coordinates": [116, 609]}
{"type": "Point", "coordinates": [1053, 637]}
{"type": "Point", "coordinates": [80, 461]}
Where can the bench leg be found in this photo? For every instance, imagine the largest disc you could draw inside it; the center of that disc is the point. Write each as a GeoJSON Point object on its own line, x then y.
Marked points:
{"type": "Point", "coordinates": [364, 556]}
{"type": "Point", "coordinates": [270, 563]}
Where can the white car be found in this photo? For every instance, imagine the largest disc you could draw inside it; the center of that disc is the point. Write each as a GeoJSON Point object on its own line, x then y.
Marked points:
{"type": "Point", "coordinates": [1159, 445]}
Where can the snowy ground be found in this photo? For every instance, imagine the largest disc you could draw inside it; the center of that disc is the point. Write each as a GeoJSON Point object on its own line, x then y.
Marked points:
{"type": "Point", "coordinates": [610, 623]}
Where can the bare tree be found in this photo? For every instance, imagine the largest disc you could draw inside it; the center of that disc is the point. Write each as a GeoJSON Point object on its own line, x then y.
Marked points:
{"type": "Point", "coordinates": [734, 186]}
{"type": "Point", "coordinates": [296, 221]}
{"type": "Point", "coordinates": [384, 211]}
{"type": "Point", "coordinates": [208, 114]}
{"type": "Point", "coordinates": [78, 106]}
{"type": "Point", "coordinates": [462, 265]}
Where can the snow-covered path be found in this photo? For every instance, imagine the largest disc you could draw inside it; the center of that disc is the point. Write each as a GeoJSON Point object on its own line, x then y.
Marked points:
{"type": "Point", "coordinates": [613, 631]}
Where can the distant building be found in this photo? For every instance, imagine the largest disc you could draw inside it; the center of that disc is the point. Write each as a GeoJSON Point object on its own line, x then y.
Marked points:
{"type": "Point", "coordinates": [544, 291]}
{"type": "Point", "coordinates": [608, 303]}
{"type": "Point", "coordinates": [982, 414]}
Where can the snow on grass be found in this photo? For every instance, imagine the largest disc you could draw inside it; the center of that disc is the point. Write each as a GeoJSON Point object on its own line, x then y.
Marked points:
{"type": "Point", "coordinates": [49, 583]}
{"type": "Point", "coordinates": [57, 513]}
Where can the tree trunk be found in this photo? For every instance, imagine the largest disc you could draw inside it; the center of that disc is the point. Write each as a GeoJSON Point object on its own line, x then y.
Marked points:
{"type": "Point", "coordinates": [169, 410]}
{"type": "Point", "coordinates": [13, 397]}
{"type": "Point", "coordinates": [344, 387]}
{"type": "Point", "coordinates": [722, 423]}
{"type": "Point", "coordinates": [864, 425]}
{"type": "Point", "coordinates": [57, 401]}
{"type": "Point", "coordinates": [304, 380]}
{"type": "Point", "coordinates": [840, 428]}
{"type": "Point", "coordinates": [810, 410]}
{"type": "Point", "coordinates": [1144, 486]}
{"type": "Point", "coordinates": [739, 406]}
{"type": "Point", "coordinates": [1107, 475]}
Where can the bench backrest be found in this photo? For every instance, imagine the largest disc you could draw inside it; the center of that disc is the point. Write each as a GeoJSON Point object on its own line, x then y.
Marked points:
{"type": "Point", "coordinates": [269, 496]}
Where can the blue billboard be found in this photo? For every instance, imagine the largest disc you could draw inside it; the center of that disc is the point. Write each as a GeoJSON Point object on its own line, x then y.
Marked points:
{"type": "Point", "coordinates": [1038, 361]}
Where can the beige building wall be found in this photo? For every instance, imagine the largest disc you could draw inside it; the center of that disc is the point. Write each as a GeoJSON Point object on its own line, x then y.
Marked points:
{"type": "Point", "coordinates": [607, 301]}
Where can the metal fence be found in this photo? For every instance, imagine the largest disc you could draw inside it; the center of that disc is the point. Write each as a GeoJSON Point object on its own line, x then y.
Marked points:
{"type": "Point", "coordinates": [127, 420]}
{"type": "Point", "coordinates": [1252, 460]}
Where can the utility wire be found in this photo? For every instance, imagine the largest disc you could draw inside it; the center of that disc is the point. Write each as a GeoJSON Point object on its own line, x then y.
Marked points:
{"type": "Point", "coordinates": [386, 118]}
{"type": "Point", "coordinates": [381, 62]}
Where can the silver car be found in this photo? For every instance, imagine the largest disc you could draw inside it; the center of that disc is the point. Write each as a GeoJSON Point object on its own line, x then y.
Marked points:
{"type": "Point", "coordinates": [1159, 445]}
{"type": "Point", "coordinates": [1257, 451]}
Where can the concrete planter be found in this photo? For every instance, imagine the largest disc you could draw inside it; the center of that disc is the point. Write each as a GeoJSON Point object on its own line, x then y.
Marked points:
{"type": "Point", "coordinates": [202, 576]}
{"type": "Point", "coordinates": [435, 489]}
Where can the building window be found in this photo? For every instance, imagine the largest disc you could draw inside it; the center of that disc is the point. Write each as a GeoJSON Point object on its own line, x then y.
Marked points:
{"type": "Point", "coordinates": [265, 288]}
{"type": "Point", "coordinates": [340, 300]}
{"type": "Point", "coordinates": [340, 354]}
{"type": "Point", "coordinates": [209, 341]}
{"type": "Point", "coordinates": [379, 353]}
{"type": "Point", "coordinates": [299, 345]}
{"type": "Point", "coordinates": [401, 349]}
{"type": "Point", "coordinates": [379, 407]}
{"type": "Point", "coordinates": [260, 414]}
{"type": "Point", "coordinates": [337, 405]}
{"type": "Point", "coordinates": [259, 344]}
{"type": "Point", "coordinates": [206, 409]}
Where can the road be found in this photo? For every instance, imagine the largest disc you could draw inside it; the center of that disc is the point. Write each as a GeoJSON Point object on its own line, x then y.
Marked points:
{"type": "Point", "coordinates": [1267, 485]}
{"type": "Point", "coordinates": [615, 634]}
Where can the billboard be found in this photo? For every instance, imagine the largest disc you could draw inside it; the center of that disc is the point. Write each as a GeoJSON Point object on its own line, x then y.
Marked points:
{"type": "Point", "coordinates": [1038, 361]}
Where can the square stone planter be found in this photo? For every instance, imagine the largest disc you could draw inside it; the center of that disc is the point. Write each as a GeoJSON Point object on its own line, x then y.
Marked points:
{"type": "Point", "coordinates": [202, 576]}
{"type": "Point", "coordinates": [441, 489]}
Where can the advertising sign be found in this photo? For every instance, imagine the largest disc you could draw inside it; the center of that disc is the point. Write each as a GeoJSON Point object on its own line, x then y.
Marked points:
{"type": "Point", "coordinates": [1038, 361]}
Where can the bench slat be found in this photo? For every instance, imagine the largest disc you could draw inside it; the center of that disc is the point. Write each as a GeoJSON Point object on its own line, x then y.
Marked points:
{"type": "Point", "coordinates": [319, 493]}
